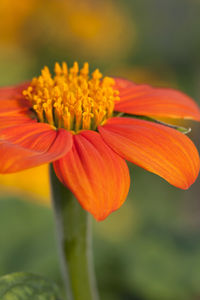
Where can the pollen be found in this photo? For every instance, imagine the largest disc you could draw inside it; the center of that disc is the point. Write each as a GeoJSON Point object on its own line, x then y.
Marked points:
{"type": "Point", "coordinates": [72, 99]}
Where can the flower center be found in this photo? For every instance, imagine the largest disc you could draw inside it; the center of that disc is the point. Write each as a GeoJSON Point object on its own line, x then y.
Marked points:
{"type": "Point", "coordinates": [71, 99]}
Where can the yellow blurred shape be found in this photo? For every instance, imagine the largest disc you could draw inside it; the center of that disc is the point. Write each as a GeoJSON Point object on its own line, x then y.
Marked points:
{"type": "Point", "coordinates": [85, 28]}
{"type": "Point", "coordinates": [32, 184]}
{"type": "Point", "coordinates": [99, 27]}
{"type": "Point", "coordinates": [88, 29]}
{"type": "Point", "coordinates": [13, 15]}
{"type": "Point", "coordinates": [80, 23]}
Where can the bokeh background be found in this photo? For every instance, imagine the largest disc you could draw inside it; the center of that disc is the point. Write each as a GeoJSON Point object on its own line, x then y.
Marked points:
{"type": "Point", "coordinates": [150, 248]}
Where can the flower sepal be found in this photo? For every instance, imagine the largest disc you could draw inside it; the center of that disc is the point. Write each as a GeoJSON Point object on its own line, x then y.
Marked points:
{"type": "Point", "coordinates": [181, 129]}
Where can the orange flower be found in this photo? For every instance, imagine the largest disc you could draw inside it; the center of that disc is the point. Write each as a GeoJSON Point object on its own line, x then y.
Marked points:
{"type": "Point", "coordinates": [81, 125]}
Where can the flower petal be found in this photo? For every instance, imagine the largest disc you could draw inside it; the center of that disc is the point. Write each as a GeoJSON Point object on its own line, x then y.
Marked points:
{"type": "Point", "coordinates": [12, 101]}
{"type": "Point", "coordinates": [129, 89]}
{"type": "Point", "coordinates": [158, 149]}
{"type": "Point", "coordinates": [122, 84]}
{"type": "Point", "coordinates": [14, 120]}
{"type": "Point", "coordinates": [32, 144]}
{"type": "Point", "coordinates": [160, 102]}
{"type": "Point", "coordinates": [97, 176]}
{"type": "Point", "coordinates": [14, 91]}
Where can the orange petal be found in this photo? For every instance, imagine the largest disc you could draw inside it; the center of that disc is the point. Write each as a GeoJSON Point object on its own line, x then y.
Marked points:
{"type": "Point", "coordinates": [97, 176]}
{"type": "Point", "coordinates": [160, 102]}
{"type": "Point", "coordinates": [158, 149]}
{"type": "Point", "coordinates": [12, 101]}
{"type": "Point", "coordinates": [32, 144]}
{"type": "Point", "coordinates": [14, 120]}
{"type": "Point", "coordinates": [14, 107]}
{"type": "Point", "coordinates": [129, 89]}
{"type": "Point", "coordinates": [122, 84]}
{"type": "Point", "coordinates": [10, 92]}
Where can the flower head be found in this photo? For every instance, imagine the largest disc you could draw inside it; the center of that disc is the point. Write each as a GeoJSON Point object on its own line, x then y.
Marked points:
{"type": "Point", "coordinates": [88, 126]}
{"type": "Point", "coordinates": [72, 100]}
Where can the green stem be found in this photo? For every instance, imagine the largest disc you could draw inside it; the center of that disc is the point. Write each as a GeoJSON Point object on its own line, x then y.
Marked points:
{"type": "Point", "coordinates": [74, 237]}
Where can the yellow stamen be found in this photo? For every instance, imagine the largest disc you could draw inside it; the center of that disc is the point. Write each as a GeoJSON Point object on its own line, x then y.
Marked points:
{"type": "Point", "coordinates": [71, 99]}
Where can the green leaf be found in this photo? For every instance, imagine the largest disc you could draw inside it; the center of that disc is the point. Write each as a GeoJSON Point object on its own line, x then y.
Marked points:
{"type": "Point", "coordinates": [25, 286]}
{"type": "Point", "coordinates": [179, 128]}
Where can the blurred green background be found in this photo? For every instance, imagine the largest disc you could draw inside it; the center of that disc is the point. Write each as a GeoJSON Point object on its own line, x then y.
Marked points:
{"type": "Point", "coordinates": [150, 248]}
